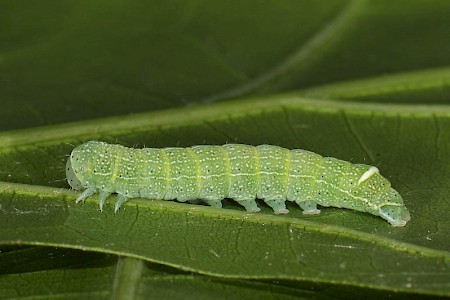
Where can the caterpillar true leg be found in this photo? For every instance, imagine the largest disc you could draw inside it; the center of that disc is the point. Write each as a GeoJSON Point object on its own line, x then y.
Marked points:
{"type": "Point", "coordinates": [120, 200]}
{"type": "Point", "coordinates": [101, 199]}
{"type": "Point", "coordinates": [89, 192]}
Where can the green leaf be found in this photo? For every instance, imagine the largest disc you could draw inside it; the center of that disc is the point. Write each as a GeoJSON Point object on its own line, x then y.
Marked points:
{"type": "Point", "coordinates": [89, 275]}
{"type": "Point", "coordinates": [362, 81]}
{"type": "Point", "coordinates": [330, 248]}
{"type": "Point", "coordinates": [63, 61]}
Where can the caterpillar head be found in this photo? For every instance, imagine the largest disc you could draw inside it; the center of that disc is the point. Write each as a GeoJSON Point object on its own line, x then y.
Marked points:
{"type": "Point", "coordinates": [77, 167]}
{"type": "Point", "coordinates": [72, 179]}
{"type": "Point", "coordinates": [393, 210]}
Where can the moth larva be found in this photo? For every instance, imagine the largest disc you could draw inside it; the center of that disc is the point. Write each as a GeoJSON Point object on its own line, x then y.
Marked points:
{"type": "Point", "coordinates": [239, 172]}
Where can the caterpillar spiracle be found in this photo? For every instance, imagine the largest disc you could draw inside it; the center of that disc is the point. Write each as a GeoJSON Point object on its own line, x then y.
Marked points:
{"type": "Point", "coordinates": [239, 172]}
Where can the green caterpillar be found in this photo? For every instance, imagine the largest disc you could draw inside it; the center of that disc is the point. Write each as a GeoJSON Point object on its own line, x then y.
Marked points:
{"type": "Point", "coordinates": [239, 172]}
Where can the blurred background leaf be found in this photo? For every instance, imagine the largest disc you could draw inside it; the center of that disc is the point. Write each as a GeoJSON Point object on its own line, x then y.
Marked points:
{"type": "Point", "coordinates": [63, 61]}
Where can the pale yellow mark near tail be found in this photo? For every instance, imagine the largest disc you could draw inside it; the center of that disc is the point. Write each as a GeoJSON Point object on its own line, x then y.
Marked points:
{"type": "Point", "coordinates": [372, 170]}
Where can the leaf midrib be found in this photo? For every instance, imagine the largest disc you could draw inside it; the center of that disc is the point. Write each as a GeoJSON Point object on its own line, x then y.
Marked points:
{"type": "Point", "coordinates": [306, 225]}
{"type": "Point", "coordinates": [199, 114]}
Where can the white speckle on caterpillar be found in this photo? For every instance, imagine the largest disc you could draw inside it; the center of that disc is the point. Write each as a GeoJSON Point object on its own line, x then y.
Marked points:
{"type": "Point", "coordinates": [240, 172]}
